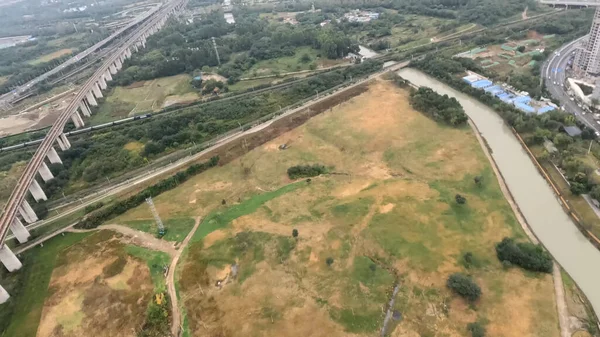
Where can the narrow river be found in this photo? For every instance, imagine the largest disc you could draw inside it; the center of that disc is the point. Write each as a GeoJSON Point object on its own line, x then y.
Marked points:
{"type": "Point", "coordinates": [535, 198]}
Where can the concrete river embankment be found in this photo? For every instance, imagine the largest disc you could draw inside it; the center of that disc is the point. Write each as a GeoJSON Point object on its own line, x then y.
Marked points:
{"type": "Point", "coordinates": [535, 198]}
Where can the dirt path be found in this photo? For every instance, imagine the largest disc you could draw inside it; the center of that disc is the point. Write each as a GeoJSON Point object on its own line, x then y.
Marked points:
{"type": "Point", "coordinates": [137, 238]}
{"type": "Point", "coordinates": [176, 324]}
{"type": "Point", "coordinates": [356, 230]}
{"type": "Point", "coordinates": [147, 240]}
{"type": "Point", "coordinates": [524, 14]}
{"type": "Point", "coordinates": [559, 292]}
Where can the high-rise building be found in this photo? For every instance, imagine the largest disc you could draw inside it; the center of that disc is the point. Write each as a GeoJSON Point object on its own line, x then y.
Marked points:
{"type": "Point", "coordinates": [587, 57]}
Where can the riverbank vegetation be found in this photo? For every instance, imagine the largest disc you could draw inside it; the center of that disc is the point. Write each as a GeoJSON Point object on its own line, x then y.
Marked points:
{"type": "Point", "coordinates": [439, 107]}
{"type": "Point", "coordinates": [524, 254]}
{"type": "Point", "coordinates": [570, 161]}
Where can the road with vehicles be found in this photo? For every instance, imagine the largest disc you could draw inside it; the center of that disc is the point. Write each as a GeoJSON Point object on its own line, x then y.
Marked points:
{"type": "Point", "coordinates": [554, 72]}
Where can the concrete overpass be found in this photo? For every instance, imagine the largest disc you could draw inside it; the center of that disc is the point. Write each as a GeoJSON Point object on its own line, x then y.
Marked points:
{"type": "Point", "coordinates": [17, 209]}
{"type": "Point", "coordinates": [581, 3]}
{"type": "Point", "coordinates": [7, 99]}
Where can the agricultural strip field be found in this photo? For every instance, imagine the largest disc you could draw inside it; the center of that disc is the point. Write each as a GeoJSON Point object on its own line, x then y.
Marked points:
{"type": "Point", "coordinates": [51, 56]}
{"type": "Point", "coordinates": [383, 215]}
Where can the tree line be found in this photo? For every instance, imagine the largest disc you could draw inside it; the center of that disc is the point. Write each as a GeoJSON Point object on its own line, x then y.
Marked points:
{"type": "Point", "coordinates": [306, 171]}
{"type": "Point", "coordinates": [96, 218]}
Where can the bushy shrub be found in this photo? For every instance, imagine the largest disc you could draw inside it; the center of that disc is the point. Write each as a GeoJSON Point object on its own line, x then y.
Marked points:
{"type": "Point", "coordinates": [303, 171]}
{"type": "Point", "coordinates": [464, 286]}
{"type": "Point", "coordinates": [476, 329]}
{"type": "Point", "coordinates": [525, 255]}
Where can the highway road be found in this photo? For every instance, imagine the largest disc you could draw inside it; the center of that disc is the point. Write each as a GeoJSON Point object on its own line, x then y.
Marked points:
{"type": "Point", "coordinates": [554, 72]}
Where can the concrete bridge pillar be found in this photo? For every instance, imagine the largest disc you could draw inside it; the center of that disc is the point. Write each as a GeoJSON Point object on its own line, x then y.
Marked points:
{"type": "Point", "coordinates": [53, 156]}
{"type": "Point", "coordinates": [4, 296]}
{"type": "Point", "coordinates": [77, 120]}
{"type": "Point", "coordinates": [45, 172]}
{"type": "Point", "coordinates": [119, 63]}
{"type": "Point", "coordinates": [63, 142]}
{"type": "Point", "coordinates": [127, 53]}
{"type": "Point", "coordinates": [107, 76]}
{"type": "Point", "coordinates": [113, 69]}
{"type": "Point", "coordinates": [84, 109]}
{"type": "Point", "coordinates": [9, 259]}
{"type": "Point", "coordinates": [19, 231]}
{"type": "Point", "coordinates": [96, 90]}
{"type": "Point", "coordinates": [27, 212]}
{"type": "Point", "coordinates": [135, 47]}
{"type": "Point", "coordinates": [90, 98]}
{"type": "Point", "coordinates": [36, 191]}
{"type": "Point", "coordinates": [102, 82]}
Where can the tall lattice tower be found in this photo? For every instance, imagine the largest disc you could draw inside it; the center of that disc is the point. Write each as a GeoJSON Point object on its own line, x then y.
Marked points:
{"type": "Point", "coordinates": [159, 223]}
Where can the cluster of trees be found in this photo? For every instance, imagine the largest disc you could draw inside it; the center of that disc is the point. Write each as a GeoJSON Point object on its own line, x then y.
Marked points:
{"type": "Point", "coordinates": [525, 255]}
{"type": "Point", "coordinates": [98, 217]}
{"type": "Point", "coordinates": [181, 47]}
{"type": "Point", "coordinates": [306, 171]}
{"type": "Point", "coordinates": [464, 286]}
{"type": "Point", "coordinates": [441, 108]}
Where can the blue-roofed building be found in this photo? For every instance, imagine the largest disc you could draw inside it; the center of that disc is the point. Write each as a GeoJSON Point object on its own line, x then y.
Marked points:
{"type": "Point", "coordinates": [545, 109]}
{"type": "Point", "coordinates": [506, 98]}
{"type": "Point", "coordinates": [481, 84]}
{"type": "Point", "coordinates": [524, 107]}
{"type": "Point", "coordinates": [522, 99]}
{"type": "Point", "coordinates": [493, 89]}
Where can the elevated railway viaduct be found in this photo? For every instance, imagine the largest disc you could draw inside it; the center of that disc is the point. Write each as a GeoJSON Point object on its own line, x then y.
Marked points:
{"type": "Point", "coordinates": [17, 209]}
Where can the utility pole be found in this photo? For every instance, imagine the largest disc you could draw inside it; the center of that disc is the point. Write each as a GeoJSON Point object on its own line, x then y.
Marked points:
{"type": "Point", "coordinates": [159, 223]}
{"type": "Point", "coordinates": [216, 50]}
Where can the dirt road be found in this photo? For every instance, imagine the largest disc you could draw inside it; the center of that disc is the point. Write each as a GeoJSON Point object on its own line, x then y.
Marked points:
{"type": "Point", "coordinates": [176, 324]}
{"type": "Point", "coordinates": [137, 238]}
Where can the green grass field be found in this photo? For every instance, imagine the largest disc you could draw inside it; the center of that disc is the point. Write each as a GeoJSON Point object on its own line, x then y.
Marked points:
{"type": "Point", "coordinates": [387, 215]}
{"type": "Point", "coordinates": [32, 288]}
{"type": "Point", "coordinates": [156, 262]}
{"type": "Point", "coordinates": [51, 56]}
{"type": "Point", "coordinates": [144, 97]}
{"type": "Point", "coordinates": [384, 215]}
{"type": "Point", "coordinates": [285, 64]}
{"type": "Point", "coordinates": [177, 229]}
